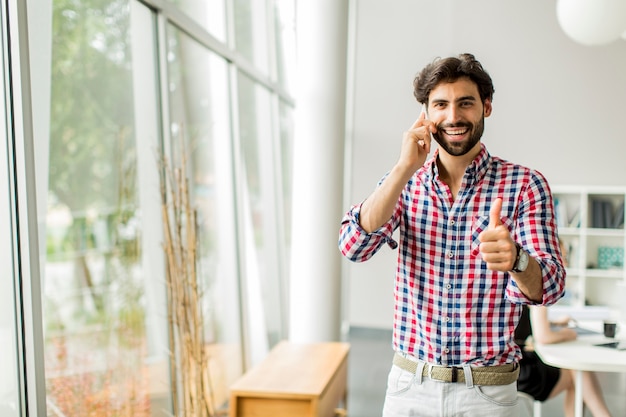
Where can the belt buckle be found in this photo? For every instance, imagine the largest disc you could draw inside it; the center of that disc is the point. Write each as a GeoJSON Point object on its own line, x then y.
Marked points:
{"type": "Point", "coordinates": [430, 370]}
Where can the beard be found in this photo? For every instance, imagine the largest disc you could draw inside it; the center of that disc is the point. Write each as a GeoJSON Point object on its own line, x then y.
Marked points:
{"type": "Point", "coordinates": [462, 147]}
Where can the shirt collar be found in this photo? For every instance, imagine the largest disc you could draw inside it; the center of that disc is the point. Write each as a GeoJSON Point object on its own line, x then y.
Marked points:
{"type": "Point", "coordinates": [475, 171]}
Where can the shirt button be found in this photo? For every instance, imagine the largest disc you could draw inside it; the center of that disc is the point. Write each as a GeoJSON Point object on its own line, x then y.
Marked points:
{"type": "Point", "coordinates": [448, 286]}
{"type": "Point", "coordinates": [451, 222]}
{"type": "Point", "coordinates": [447, 319]}
{"type": "Point", "coordinates": [446, 350]}
{"type": "Point", "coordinates": [450, 255]}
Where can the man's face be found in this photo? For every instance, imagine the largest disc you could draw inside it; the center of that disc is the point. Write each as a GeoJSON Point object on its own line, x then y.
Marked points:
{"type": "Point", "coordinates": [459, 114]}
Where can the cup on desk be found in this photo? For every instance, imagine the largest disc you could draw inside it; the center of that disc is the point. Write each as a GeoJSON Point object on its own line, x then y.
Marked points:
{"type": "Point", "coordinates": [610, 328]}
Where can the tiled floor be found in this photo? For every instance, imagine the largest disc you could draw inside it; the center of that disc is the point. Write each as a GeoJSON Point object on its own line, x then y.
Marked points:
{"type": "Point", "coordinates": [370, 360]}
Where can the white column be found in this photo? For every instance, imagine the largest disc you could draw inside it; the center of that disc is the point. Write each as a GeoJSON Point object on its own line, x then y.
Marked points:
{"type": "Point", "coordinates": [315, 277]}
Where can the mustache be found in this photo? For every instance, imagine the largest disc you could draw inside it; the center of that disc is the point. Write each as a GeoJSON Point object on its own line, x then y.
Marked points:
{"type": "Point", "coordinates": [454, 125]}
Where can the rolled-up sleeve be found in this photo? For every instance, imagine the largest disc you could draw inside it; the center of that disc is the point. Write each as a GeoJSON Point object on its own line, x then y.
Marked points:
{"type": "Point", "coordinates": [356, 244]}
{"type": "Point", "coordinates": [537, 233]}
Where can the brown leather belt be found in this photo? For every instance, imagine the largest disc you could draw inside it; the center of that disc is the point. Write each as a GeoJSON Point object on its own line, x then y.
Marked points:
{"type": "Point", "coordinates": [483, 375]}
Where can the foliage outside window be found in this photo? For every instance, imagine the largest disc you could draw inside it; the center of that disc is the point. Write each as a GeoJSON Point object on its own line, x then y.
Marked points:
{"type": "Point", "coordinates": [100, 350]}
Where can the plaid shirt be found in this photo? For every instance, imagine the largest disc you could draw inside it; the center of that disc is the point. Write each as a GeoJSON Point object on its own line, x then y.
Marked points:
{"type": "Point", "coordinates": [449, 308]}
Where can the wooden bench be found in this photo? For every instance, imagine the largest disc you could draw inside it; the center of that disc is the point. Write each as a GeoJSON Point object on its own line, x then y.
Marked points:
{"type": "Point", "coordinates": [294, 380]}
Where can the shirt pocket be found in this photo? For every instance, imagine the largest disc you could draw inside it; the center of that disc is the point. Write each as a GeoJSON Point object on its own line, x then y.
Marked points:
{"type": "Point", "coordinates": [480, 223]}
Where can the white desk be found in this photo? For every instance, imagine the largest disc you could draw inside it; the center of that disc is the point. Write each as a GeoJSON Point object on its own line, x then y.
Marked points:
{"type": "Point", "coordinates": [581, 355]}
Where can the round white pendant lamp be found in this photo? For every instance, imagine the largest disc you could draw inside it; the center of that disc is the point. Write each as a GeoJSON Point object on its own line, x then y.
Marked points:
{"type": "Point", "coordinates": [592, 22]}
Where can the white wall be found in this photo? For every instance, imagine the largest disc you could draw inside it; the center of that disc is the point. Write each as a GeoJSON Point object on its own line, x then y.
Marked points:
{"type": "Point", "coordinates": [558, 106]}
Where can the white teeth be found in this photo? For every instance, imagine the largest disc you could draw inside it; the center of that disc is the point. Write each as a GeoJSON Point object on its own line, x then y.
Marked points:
{"type": "Point", "coordinates": [456, 132]}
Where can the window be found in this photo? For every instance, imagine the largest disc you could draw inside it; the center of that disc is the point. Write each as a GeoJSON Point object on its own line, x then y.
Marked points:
{"type": "Point", "coordinates": [134, 83]}
{"type": "Point", "coordinates": [199, 114]}
{"type": "Point", "coordinates": [210, 14]}
{"type": "Point", "coordinates": [96, 344]}
{"type": "Point", "coordinates": [259, 208]}
{"type": "Point", "coordinates": [251, 32]}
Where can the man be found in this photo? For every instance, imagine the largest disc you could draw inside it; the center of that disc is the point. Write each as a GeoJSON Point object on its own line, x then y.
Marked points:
{"type": "Point", "coordinates": [477, 241]}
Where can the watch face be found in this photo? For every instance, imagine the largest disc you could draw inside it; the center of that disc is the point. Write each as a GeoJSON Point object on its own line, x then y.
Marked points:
{"type": "Point", "coordinates": [522, 263]}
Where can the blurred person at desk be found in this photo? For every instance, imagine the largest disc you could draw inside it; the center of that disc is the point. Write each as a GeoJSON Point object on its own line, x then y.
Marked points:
{"type": "Point", "coordinates": [542, 381]}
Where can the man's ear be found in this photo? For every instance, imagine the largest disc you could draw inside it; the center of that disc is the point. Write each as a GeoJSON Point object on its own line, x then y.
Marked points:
{"type": "Point", "coordinates": [488, 108]}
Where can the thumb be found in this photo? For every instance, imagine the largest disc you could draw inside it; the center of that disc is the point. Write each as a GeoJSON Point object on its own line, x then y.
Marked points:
{"type": "Point", "coordinates": [495, 218]}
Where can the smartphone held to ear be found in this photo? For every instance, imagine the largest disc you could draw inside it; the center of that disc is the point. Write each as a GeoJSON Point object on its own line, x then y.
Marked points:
{"type": "Point", "coordinates": [431, 133]}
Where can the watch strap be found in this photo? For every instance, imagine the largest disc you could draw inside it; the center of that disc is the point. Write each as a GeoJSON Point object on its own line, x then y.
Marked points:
{"type": "Point", "coordinates": [517, 257]}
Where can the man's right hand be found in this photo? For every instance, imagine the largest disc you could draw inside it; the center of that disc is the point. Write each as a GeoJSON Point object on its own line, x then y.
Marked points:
{"type": "Point", "coordinates": [416, 143]}
{"type": "Point", "coordinates": [379, 206]}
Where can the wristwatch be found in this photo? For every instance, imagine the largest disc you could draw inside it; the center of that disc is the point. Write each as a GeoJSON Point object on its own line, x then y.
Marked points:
{"type": "Point", "coordinates": [521, 262]}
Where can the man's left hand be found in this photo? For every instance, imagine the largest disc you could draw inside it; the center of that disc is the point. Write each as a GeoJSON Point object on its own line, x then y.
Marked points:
{"type": "Point", "coordinates": [497, 248]}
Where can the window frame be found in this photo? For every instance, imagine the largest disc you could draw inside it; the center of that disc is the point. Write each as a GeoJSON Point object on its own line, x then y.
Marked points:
{"type": "Point", "coordinates": [23, 208]}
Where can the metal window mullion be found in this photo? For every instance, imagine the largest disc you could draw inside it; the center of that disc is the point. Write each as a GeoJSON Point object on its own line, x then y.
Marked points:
{"type": "Point", "coordinates": [162, 50]}
{"type": "Point", "coordinates": [238, 172]}
{"type": "Point", "coordinates": [348, 150]}
{"type": "Point", "coordinates": [8, 244]}
{"type": "Point", "coordinates": [276, 163]}
{"type": "Point", "coordinates": [165, 147]}
{"type": "Point", "coordinates": [271, 40]}
{"type": "Point", "coordinates": [24, 212]}
{"type": "Point", "coordinates": [278, 197]}
{"type": "Point", "coordinates": [279, 217]}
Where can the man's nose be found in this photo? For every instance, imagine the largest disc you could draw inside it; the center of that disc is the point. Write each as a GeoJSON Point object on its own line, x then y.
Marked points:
{"type": "Point", "coordinates": [454, 114]}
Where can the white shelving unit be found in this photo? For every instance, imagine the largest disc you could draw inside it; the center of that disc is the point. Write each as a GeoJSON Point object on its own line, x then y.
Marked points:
{"type": "Point", "coordinates": [591, 226]}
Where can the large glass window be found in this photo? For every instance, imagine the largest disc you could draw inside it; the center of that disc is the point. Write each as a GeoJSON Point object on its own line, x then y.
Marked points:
{"type": "Point", "coordinates": [94, 280]}
{"type": "Point", "coordinates": [199, 112]}
{"type": "Point", "coordinates": [259, 205]}
{"type": "Point", "coordinates": [285, 31]}
{"type": "Point", "coordinates": [251, 32]}
{"type": "Point", "coordinates": [211, 14]}
{"type": "Point", "coordinates": [133, 83]}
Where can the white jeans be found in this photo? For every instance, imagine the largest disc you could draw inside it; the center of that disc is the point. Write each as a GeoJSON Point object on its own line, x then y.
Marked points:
{"type": "Point", "coordinates": [411, 395]}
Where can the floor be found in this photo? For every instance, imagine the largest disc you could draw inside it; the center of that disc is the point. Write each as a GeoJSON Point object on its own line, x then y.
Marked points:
{"type": "Point", "coordinates": [370, 360]}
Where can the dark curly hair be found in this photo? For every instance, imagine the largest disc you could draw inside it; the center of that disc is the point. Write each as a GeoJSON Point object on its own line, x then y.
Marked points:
{"type": "Point", "coordinates": [449, 70]}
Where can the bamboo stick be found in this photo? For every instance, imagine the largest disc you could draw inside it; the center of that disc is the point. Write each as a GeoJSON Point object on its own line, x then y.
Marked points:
{"type": "Point", "coordinates": [189, 361]}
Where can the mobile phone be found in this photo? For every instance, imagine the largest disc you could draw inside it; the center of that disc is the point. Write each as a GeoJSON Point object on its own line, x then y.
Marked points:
{"type": "Point", "coordinates": [432, 138]}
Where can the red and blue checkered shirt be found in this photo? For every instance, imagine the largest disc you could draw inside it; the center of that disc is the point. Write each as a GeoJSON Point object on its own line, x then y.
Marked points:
{"type": "Point", "coordinates": [449, 308]}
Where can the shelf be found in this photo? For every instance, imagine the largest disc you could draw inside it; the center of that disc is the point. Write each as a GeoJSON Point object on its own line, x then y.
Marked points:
{"type": "Point", "coordinates": [604, 232]}
{"type": "Point", "coordinates": [569, 231]}
{"type": "Point", "coordinates": [605, 273]}
{"type": "Point", "coordinates": [573, 271]}
{"type": "Point", "coordinates": [591, 226]}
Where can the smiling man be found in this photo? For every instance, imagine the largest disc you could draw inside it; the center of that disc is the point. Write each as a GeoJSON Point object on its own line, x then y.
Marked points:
{"type": "Point", "coordinates": [477, 240]}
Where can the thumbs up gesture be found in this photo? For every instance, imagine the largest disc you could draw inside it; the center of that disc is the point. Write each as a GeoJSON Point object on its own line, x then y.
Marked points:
{"type": "Point", "coordinates": [497, 248]}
